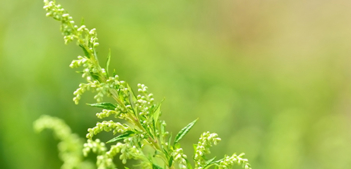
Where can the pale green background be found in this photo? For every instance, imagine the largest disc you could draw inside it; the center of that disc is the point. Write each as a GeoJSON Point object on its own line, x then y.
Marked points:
{"type": "Point", "coordinates": [271, 77]}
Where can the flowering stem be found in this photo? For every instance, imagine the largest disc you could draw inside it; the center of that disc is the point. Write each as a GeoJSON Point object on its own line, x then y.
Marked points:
{"type": "Point", "coordinates": [145, 127]}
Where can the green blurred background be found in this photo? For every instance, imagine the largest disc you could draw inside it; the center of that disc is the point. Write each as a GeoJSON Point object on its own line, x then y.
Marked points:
{"type": "Point", "coordinates": [271, 77]}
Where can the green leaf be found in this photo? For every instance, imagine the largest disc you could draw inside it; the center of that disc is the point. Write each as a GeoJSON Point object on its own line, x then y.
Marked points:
{"type": "Point", "coordinates": [162, 130]}
{"type": "Point", "coordinates": [80, 72]}
{"type": "Point", "coordinates": [209, 162]}
{"type": "Point", "coordinates": [170, 161]}
{"type": "Point", "coordinates": [195, 147]}
{"type": "Point", "coordinates": [108, 62]}
{"type": "Point", "coordinates": [104, 105]}
{"type": "Point", "coordinates": [132, 99]}
{"type": "Point", "coordinates": [86, 53]}
{"type": "Point", "coordinates": [147, 129]}
{"type": "Point", "coordinates": [188, 164]}
{"type": "Point", "coordinates": [184, 131]}
{"type": "Point", "coordinates": [82, 21]}
{"type": "Point", "coordinates": [95, 76]}
{"type": "Point", "coordinates": [170, 140]}
{"type": "Point", "coordinates": [157, 111]}
{"type": "Point", "coordinates": [122, 136]}
{"type": "Point", "coordinates": [154, 125]}
{"type": "Point", "coordinates": [154, 166]}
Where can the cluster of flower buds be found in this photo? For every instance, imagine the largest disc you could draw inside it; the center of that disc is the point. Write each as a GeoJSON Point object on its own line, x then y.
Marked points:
{"type": "Point", "coordinates": [127, 149]}
{"type": "Point", "coordinates": [229, 161]}
{"type": "Point", "coordinates": [107, 126]}
{"type": "Point", "coordinates": [103, 160]}
{"type": "Point", "coordinates": [144, 100]}
{"type": "Point", "coordinates": [180, 157]}
{"type": "Point", "coordinates": [70, 146]}
{"type": "Point", "coordinates": [206, 141]}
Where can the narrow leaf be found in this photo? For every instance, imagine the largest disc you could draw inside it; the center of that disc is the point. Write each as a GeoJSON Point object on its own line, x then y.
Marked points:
{"type": "Point", "coordinates": [188, 164]}
{"type": "Point", "coordinates": [121, 137]}
{"type": "Point", "coordinates": [82, 21]}
{"type": "Point", "coordinates": [147, 129]}
{"type": "Point", "coordinates": [86, 53]}
{"type": "Point", "coordinates": [80, 72]}
{"type": "Point", "coordinates": [170, 162]}
{"type": "Point", "coordinates": [162, 130]}
{"type": "Point", "coordinates": [210, 162]}
{"type": "Point", "coordinates": [95, 76]}
{"type": "Point", "coordinates": [114, 72]}
{"type": "Point", "coordinates": [170, 140]}
{"type": "Point", "coordinates": [104, 105]}
{"type": "Point", "coordinates": [132, 99]}
{"type": "Point", "coordinates": [108, 62]}
{"type": "Point", "coordinates": [154, 125]}
{"type": "Point", "coordinates": [157, 111]}
{"type": "Point", "coordinates": [195, 148]}
{"type": "Point", "coordinates": [184, 131]}
{"type": "Point", "coordinates": [154, 166]}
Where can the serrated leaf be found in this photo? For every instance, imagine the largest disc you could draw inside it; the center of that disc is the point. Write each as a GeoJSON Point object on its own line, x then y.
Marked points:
{"type": "Point", "coordinates": [184, 131]}
{"type": "Point", "coordinates": [86, 53]}
{"type": "Point", "coordinates": [104, 105]}
{"type": "Point", "coordinates": [122, 136]}
{"type": "Point", "coordinates": [210, 162]}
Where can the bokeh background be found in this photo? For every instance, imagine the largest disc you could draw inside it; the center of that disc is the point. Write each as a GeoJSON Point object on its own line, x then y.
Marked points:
{"type": "Point", "coordinates": [271, 77]}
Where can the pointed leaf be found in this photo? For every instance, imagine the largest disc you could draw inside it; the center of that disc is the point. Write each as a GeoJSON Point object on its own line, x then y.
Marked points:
{"type": "Point", "coordinates": [147, 129]}
{"type": "Point", "coordinates": [104, 105]}
{"type": "Point", "coordinates": [210, 162]}
{"type": "Point", "coordinates": [132, 99]}
{"type": "Point", "coordinates": [170, 161]}
{"type": "Point", "coordinates": [95, 76]}
{"type": "Point", "coordinates": [154, 125]}
{"type": "Point", "coordinates": [82, 21]}
{"type": "Point", "coordinates": [184, 131]}
{"type": "Point", "coordinates": [154, 166]}
{"type": "Point", "coordinates": [162, 129]}
{"type": "Point", "coordinates": [157, 111]}
{"type": "Point", "coordinates": [108, 62]}
{"type": "Point", "coordinates": [188, 164]}
{"type": "Point", "coordinates": [86, 53]}
{"type": "Point", "coordinates": [122, 136]}
{"type": "Point", "coordinates": [170, 140]}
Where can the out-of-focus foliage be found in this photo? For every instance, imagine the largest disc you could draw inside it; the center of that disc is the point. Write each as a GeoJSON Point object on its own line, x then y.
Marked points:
{"type": "Point", "coordinates": [272, 78]}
